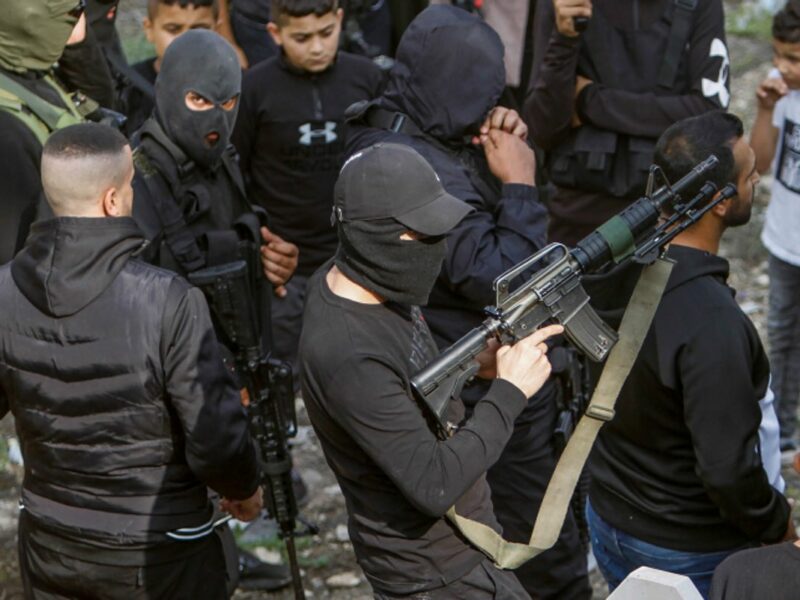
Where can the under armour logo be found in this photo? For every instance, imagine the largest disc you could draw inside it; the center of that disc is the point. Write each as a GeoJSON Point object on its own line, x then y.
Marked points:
{"type": "Point", "coordinates": [718, 88]}
{"type": "Point", "coordinates": [308, 135]}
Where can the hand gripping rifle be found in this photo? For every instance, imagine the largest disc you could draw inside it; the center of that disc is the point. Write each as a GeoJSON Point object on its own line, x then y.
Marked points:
{"type": "Point", "coordinates": [554, 292]}
{"type": "Point", "coordinates": [269, 386]}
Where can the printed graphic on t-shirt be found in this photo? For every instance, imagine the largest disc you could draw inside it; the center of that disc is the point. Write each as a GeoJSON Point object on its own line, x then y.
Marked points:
{"type": "Point", "coordinates": [423, 348]}
{"type": "Point", "coordinates": [718, 87]}
{"type": "Point", "coordinates": [318, 133]}
{"type": "Point", "coordinates": [789, 159]}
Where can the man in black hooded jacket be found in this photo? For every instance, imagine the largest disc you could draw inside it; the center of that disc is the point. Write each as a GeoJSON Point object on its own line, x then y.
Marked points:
{"type": "Point", "coordinates": [677, 475]}
{"type": "Point", "coordinates": [442, 117]}
{"type": "Point", "coordinates": [124, 410]}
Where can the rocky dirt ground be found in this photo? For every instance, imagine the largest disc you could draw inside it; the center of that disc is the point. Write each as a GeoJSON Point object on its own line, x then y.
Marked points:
{"type": "Point", "coordinates": [329, 568]}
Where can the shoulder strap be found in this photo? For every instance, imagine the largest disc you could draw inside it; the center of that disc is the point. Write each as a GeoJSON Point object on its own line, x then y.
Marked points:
{"type": "Point", "coordinates": [176, 233]}
{"type": "Point", "coordinates": [12, 105]}
{"type": "Point", "coordinates": [51, 116]}
{"type": "Point", "coordinates": [557, 498]}
{"type": "Point", "coordinates": [682, 18]}
{"type": "Point", "coordinates": [184, 164]}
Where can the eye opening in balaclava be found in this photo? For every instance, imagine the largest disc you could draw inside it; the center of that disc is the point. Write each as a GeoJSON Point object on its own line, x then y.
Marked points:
{"type": "Point", "coordinates": [202, 63]}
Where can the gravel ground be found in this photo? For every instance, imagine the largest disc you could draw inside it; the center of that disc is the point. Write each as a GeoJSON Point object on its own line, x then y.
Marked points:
{"type": "Point", "coordinates": [329, 568]}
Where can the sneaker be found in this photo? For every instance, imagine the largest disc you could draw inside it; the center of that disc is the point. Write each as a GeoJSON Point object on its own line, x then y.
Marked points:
{"type": "Point", "coordinates": [258, 575]}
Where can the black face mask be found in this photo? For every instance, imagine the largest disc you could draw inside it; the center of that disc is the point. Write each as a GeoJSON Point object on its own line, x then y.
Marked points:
{"type": "Point", "coordinates": [372, 254]}
{"type": "Point", "coordinates": [204, 63]}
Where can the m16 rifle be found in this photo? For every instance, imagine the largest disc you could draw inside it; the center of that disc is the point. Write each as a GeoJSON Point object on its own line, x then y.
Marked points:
{"type": "Point", "coordinates": [268, 383]}
{"type": "Point", "coordinates": [554, 292]}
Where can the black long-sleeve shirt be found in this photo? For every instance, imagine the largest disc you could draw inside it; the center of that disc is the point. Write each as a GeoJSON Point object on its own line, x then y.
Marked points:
{"type": "Point", "coordinates": [679, 464]}
{"type": "Point", "coordinates": [398, 479]}
{"type": "Point", "coordinates": [20, 155]}
{"type": "Point", "coordinates": [632, 105]}
{"type": "Point", "coordinates": [623, 60]}
{"type": "Point", "coordinates": [290, 134]}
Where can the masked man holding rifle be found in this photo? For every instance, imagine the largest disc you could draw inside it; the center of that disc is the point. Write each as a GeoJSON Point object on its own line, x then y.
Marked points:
{"type": "Point", "coordinates": [363, 338]}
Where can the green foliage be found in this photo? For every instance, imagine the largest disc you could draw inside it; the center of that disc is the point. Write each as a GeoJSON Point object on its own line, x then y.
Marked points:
{"type": "Point", "coordinates": [137, 48]}
{"type": "Point", "coordinates": [3, 453]}
{"type": "Point", "coordinates": [750, 20]}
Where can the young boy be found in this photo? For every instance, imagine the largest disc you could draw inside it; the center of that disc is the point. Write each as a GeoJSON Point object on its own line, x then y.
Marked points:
{"type": "Point", "coordinates": [166, 20]}
{"type": "Point", "coordinates": [776, 135]}
{"type": "Point", "coordinates": [290, 134]}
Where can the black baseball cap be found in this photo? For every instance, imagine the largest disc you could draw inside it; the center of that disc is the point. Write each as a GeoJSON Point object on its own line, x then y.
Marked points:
{"type": "Point", "coordinates": [393, 181]}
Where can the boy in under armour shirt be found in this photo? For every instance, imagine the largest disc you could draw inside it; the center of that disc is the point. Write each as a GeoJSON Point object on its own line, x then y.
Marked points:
{"type": "Point", "coordinates": [291, 137]}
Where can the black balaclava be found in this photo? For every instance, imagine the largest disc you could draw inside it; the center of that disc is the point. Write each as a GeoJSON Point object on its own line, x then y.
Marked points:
{"type": "Point", "coordinates": [448, 74]}
{"type": "Point", "coordinates": [202, 62]}
{"type": "Point", "coordinates": [372, 254]}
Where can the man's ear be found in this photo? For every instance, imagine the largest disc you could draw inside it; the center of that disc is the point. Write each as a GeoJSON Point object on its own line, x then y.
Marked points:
{"type": "Point", "coordinates": [147, 25]}
{"type": "Point", "coordinates": [339, 15]}
{"type": "Point", "coordinates": [112, 203]}
{"type": "Point", "coordinates": [275, 33]}
{"type": "Point", "coordinates": [721, 209]}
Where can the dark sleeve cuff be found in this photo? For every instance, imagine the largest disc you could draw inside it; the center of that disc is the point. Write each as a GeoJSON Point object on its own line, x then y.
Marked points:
{"type": "Point", "coordinates": [521, 191]}
{"type": "Point", "coordinates": [507, 397]}
{"type": "Point", "coordinates": [566, 43]}
{"type": "Point", "coordinates": [585, 99]}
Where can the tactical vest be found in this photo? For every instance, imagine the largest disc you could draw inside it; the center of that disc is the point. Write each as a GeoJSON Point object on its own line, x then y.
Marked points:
{"type": "Point", "coordinates": [38, 115]}
{"type": "Point", "coordinates": [598, 160]}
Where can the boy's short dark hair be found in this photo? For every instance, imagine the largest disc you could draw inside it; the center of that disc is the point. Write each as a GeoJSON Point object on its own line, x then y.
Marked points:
{"type": "Point", "coordinates": [152, 6]}
{"type": "Point", "coordinates": [786, 23]}
{"type": "Point", "coordinates": [280, 9]}
{"type": "Point", "coordinates": [691, 140]}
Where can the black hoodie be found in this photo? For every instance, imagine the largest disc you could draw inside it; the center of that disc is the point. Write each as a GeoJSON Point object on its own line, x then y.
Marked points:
{"type": "Point", "coordinates": [679, 464]}
{"type": "Point", "coordinates": [449, 74]}
{"type": "Point", "coordinates": [122, 406]}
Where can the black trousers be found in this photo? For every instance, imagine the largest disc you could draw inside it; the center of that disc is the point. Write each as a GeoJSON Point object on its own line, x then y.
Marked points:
{"type": "Point", "coordinates": [50, 575]}
{"type": "Point", "coordinates": [518, 481]}
{"type": "Point", "coordinates": [484, 582]}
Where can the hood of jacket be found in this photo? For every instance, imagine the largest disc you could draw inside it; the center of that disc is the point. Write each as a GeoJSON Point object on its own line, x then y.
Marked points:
{"type": "Point", "coordinates": [610, 292]}
{"type": "Point", "coordinates": [67, 262]}
{"type": "Point", "coordinates": [448, 73]}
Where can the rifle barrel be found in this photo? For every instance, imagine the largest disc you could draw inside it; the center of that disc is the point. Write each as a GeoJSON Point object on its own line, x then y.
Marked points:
{"type": "Point", "coordinates": [615, 239]}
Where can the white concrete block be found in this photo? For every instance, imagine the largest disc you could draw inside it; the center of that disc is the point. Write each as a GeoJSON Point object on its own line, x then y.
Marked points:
{"type": "Point", "coordinates": [651, 584]}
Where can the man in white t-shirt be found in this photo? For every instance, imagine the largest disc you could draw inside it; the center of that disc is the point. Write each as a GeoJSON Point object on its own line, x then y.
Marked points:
{"type": "Point", "coordinates": [776, 141]}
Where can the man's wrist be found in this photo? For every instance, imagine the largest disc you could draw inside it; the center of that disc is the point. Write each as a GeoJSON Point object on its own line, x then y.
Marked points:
{"type": "Point", "coordinates": [520, 179]}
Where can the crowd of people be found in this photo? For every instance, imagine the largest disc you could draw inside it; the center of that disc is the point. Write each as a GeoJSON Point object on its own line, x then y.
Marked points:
{"type": "Point", "coordinates": [388, 161]}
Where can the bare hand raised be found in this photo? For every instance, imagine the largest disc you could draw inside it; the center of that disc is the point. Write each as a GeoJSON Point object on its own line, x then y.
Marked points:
{"type": "Point", "coordinates": [510, 159]}
{"type": "Point", "coordinates": [504, 119]}
{"type": "Point", "coordinates": [278, 259]}
{"type": "Point", "coordinates": [770, 91]}
{"type": "Point", "coordinates": [567, 10]}
{"type": "Point", "coordinates": [525, 363]}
